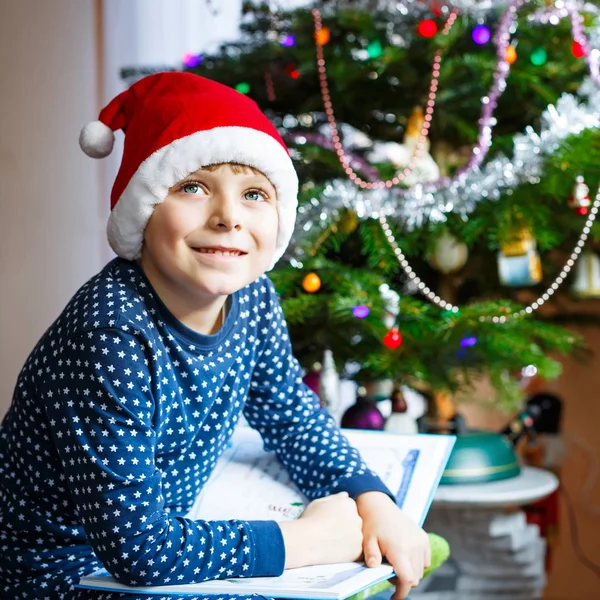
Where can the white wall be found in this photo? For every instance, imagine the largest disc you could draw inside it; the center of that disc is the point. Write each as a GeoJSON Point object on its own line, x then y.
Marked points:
{"type": "Point", "coordinates": [51, 229]}
{"type": "Point", "coordinates": [59, 64]}
{"type": "Point", "coordinates": [159, 33]}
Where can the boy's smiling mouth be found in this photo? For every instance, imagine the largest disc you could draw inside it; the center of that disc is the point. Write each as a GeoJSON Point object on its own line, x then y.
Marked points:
{"type": "Point", "coordinates": [220, 251]}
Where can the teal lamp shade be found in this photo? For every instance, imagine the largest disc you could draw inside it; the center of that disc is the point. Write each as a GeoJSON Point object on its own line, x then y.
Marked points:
{"type": "Point", "coordinates": [480, 457]}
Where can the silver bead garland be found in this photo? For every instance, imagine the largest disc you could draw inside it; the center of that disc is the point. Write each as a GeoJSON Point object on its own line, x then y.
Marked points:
{"type": "Point", "coordinates": [433, 297]}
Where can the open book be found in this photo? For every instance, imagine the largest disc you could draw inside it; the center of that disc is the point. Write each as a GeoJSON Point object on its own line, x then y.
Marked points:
{"type": "Point", "coordinates": [411, 466]}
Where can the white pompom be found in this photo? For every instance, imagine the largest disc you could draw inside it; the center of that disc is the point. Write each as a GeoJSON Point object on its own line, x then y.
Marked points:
{"type": "Point", "coordinates": [96, 139]}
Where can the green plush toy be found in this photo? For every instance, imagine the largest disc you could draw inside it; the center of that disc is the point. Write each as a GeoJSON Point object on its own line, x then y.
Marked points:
{"type": "Point", "coordinates": [440, 551]}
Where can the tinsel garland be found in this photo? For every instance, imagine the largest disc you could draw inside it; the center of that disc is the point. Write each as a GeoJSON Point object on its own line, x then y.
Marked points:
{"type": "Point", "coordinates": [569, 116]}
{"type": "Point", "coordinates": [477, 8]}
{"type": "Point", "coordinates": [433, 202]}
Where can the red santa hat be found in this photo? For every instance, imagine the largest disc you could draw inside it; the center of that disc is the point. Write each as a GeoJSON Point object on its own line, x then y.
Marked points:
{"type": "Point", "coordinates": [174, 124]}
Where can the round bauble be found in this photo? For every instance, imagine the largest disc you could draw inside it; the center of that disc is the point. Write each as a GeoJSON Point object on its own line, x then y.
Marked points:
{"type": "Point", "coordinates": [449, 254]}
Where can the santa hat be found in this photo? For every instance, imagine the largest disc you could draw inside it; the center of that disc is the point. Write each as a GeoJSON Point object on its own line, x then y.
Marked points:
{"type": "Point", "coordinates": [174, 124]}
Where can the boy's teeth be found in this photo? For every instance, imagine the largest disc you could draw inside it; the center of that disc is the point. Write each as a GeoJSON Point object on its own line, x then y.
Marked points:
{"type": "Point", "coordinates": [225, 253]}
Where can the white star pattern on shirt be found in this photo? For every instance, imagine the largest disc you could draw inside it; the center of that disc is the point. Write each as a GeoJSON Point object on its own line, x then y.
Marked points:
{"type": "Point", "coordinates": [118, 419]}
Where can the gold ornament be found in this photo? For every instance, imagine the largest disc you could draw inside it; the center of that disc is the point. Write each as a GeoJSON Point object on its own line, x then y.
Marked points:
{"type": "Point", "coordinates": [518, 243]}
{"type": "Point", "coordinates": [519, 263]}
{"type": "Point", "coordinates": [348, 222]}
{"type": "Point", "coordinates": [414, 127]}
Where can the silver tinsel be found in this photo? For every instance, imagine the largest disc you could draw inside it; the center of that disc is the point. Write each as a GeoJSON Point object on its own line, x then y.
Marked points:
{"type": "Point", "coordinates": [415, 7]}
{"type": "Point", "coordinates": [473, 8]}
{"type": "Point", "coordinates": [571, 115]}
{"type": "Point", "coordinates": [498, 176]}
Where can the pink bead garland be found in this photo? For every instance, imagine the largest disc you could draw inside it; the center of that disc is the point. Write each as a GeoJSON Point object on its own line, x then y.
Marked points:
{"type": "Point", "coordinates": [344, 160]}
{"type": "Point", "coordinates": [580, 37]}
{"type": "Point", "coordinates": [489, 102]}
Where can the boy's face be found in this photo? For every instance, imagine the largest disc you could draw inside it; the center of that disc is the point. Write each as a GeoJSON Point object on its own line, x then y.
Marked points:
{"type": "Point", "coordinates": [214, 233]}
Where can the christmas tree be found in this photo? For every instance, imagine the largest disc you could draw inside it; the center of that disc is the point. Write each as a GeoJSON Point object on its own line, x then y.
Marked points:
{"type": "Point", "coordinates": [449, 157]}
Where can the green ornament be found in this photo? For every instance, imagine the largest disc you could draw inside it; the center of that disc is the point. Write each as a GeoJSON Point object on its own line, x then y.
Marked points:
{"type": "Point", "coordinates": [374, 49]}
{"type": "Point", "coordinates": [243, 88]}
{"type": "Point", "coordinates": [539, 57]}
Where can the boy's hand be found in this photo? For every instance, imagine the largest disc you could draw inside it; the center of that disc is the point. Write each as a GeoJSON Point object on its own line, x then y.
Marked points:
{"type": "Point", "coordinates": [390, 533]}
{"type": "Point", "coordinates": [328, 531]}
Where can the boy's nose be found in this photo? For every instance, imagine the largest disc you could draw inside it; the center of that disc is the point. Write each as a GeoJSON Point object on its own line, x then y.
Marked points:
{"type": "Point", "coordinates": [226, 213]}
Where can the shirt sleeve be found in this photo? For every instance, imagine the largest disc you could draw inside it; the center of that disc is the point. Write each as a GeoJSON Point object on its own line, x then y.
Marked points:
{"type": "Point", "coordinates": [100, 402]}
{"type": "Point", "coordinates": [288, 416]}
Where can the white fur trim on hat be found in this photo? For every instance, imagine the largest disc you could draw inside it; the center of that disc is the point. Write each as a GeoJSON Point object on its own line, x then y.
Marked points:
{"type": "Point", "coordinates": [150, 184]}
{"type": "Point", "coordinates": [96, 139]}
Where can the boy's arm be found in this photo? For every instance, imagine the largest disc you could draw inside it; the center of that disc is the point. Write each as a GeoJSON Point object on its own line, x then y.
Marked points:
{"type": "Point", "coordinates": [102, 402]}
{"type": "Point", "coordinates": [288, 416]}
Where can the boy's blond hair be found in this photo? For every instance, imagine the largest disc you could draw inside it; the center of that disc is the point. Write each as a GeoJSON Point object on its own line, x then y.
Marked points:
{"type": "Point", "coordinates": [236, 168]}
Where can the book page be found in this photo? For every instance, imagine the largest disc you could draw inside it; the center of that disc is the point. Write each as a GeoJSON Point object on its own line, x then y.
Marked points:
{"type": "Point", "coordinates": [410, 466]}
{"type": "Point", "coordinates": [320, 582]}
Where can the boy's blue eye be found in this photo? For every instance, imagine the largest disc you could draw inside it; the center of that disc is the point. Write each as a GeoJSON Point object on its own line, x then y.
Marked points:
{"type": "Point", "coordinates": [254, 195]}
{"type": "Point", "coordinates": [191, 188]}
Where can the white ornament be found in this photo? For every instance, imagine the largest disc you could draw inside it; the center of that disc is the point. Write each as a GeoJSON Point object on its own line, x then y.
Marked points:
{"type": "Point", "coordinates": [401, 423]}
{"type": "Point", "coordinates": [391, 299]}
{"type": "Point", "coordinates": [580, 200]}
{"type": "Point", "coordinates": [587, 276]}
{"type": "Point", "coordinates": [449, 254]}
{"type": "Point", "coordinates": [329, 384]}
{"type": "Point", "coordinates": [425, 169]}
{"type": "Point", "coordinates": [354, 139]}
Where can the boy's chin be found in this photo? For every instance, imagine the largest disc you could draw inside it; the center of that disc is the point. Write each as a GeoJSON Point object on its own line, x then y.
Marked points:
{"type": "Point", "coordinates": [224, 284]}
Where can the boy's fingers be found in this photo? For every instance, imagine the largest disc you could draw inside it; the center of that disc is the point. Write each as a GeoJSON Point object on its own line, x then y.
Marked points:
{"type": "Point", "coordinates": [372, 552]}
{"type": "Point", "coordinates": [406, 578]}
{"type": "Point", "coordinates": [427, 562]}
{"type": "Point", "coordinates": [402, 591]}
{"type": "Point", "coordinates": [418, 568]}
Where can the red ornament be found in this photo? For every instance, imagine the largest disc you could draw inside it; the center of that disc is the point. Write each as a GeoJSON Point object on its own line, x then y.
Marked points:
{"type": "Point", "coordinates": [427, 28]}
{"type": "Point", "coordinates": [577, 50]}
{"type": "Point", "coordinates": [393, 339]}
{"type": "Point", "coordinates": [292, 71]}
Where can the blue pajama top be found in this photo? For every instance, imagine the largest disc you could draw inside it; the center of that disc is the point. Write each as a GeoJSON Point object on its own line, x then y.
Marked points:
{"type": "Point", "coordinates": [118, 418]}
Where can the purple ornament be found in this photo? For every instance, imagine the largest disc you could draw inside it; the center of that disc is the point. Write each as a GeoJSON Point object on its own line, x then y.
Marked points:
{"type": "Point", "coordinates": [191, 60]}
{"type": "Point", "coordinates": [312, 381]}
{"type": "Point", "coordinates": [361, 311]}
{"type": "Point", "coordinates": [363, 415]}
{"type": "Point", "coordinates": [468, 341]}
{"type": "Point", "coordinates": [481, 34]}
{"type": "Point", "coordinates": [288, 40]}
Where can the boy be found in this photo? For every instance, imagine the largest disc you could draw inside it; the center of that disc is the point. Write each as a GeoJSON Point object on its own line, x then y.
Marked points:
{"type": "Point", "coordinates": [123, 408]}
